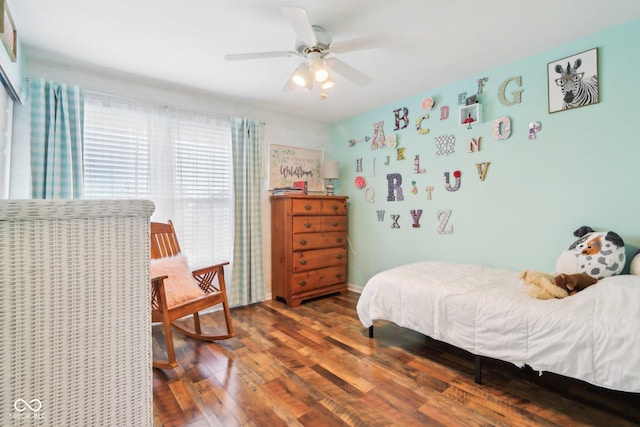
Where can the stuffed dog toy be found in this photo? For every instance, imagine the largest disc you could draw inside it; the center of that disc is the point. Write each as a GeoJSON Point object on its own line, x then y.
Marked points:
{"type": "Point", "coordinates": [574, 283]}
{"type": "Point", "coordinates": [598, 254]}
{"type": "Point", "coordinates": [542, 285]}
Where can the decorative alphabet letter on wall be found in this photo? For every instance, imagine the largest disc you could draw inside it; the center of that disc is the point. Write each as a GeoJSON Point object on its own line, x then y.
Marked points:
{"type": "Point", "coordinates": [474, 144]}
{"type": "Point", "coordinates": [394, 182]}
{"type": "Point", "coordinates": [517, 95]}
{"type": "Point", "coordinates": [415, 215]}
{"type": "Point", "coordinates": [502, 128]}
{"type": "Point", "coordinates": [416, 165]}
{"type": "Point", "coordinates": [445, 144]}
{"type": "Point", "coordinates": [481, 83]}
{"type": "Point", "coordinates": [482, 169]}
{"type": "Point", "coordinates": [443, 216]}
{"type": "Point", "coordinates": [419, 128]}
{"type": "Point", "coordinates": [404, 117]}
{"type": "Point", "coordinates": [448, 186]}
{"type": "Point", "coordinates": [444, 112]}
{"type": "Point", "coordinates": [378, 136]}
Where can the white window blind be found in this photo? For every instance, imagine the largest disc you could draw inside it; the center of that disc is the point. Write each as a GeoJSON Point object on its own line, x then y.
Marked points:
{"type": "Point", "coordinates": [180, 160]}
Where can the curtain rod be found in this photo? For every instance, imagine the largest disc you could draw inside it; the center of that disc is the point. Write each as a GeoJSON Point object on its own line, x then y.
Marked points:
{"type": "Point", "coordinates": [166, 106]}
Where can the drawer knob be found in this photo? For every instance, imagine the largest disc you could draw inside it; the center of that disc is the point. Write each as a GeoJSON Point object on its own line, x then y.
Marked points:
{"type": "Point", "coordinates": [307, 207]}
{"type": "Point", "coordinates": [335, 223]}
{"type": "Point", "coordinates": [338, 239]}
{"type": "Point", "coordinates": [303, 242]}
{"type": "Point", "coordinates": [338, 275]}
{"type": "Point", "coordinates": [302, 282]}
{"type": "Point", "coordinates": [339, 256]}
{"type": "Point", "coordinates": [303, 261]}
{"type": "Point", "coordinates": [307, 224]}
{"type": "Point", "coordinates": [334, 207]}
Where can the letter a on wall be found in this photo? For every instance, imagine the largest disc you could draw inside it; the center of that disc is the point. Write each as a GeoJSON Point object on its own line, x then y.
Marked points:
{"type": "Point", "coordinates": [378, 136]}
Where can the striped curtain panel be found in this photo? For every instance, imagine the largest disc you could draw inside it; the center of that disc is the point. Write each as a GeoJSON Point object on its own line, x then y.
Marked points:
{"type": "Point", "coordinates": [57, 121]}
{"type": "Point", "coordinates": [247, 285]}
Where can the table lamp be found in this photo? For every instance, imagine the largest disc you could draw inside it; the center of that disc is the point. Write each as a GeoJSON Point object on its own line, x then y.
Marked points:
{"type": "Point", "coordinates": [330, 171]}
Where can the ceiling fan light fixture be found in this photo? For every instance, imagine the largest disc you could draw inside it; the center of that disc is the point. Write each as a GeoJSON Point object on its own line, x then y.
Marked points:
{"type": "Point", "coordinates": [327, 83]}
{"type": "Point", "coordinates": [302, 75]}
{"type": "Point", "coordinates": [321, 73]}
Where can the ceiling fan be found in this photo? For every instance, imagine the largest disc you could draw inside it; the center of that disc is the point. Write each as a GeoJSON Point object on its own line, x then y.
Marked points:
{"type": "Point", "coordinates": [314, 44]}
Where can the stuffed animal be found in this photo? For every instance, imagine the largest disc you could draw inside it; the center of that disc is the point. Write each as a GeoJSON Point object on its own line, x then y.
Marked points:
{"type": "Point", "coordinates": [542, 285]}
{"type": "Point", "coordinates": [574, 283]}
{"type": "Point", "coordinates": [634, 265]}
{"type": "Point", "coordinates": [598, 254]}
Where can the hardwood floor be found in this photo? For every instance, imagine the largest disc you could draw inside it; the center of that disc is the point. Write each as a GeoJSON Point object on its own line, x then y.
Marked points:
{"type": "Point", "coordinates": [315, 366]}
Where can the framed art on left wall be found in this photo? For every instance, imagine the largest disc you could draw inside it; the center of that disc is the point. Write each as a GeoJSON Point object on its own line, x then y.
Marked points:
{"type": "Point", "coordinates": [8, 32]}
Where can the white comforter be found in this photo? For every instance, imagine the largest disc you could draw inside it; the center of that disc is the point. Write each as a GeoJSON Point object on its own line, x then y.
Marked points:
{"type": "Point", "coordinates": [593, 336]}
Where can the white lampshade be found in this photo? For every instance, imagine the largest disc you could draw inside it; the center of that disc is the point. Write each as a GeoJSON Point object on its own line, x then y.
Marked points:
{"type": "Point", "coordinates": [330, 170]}
{"type": "Point", "coordinates": [302, 76]}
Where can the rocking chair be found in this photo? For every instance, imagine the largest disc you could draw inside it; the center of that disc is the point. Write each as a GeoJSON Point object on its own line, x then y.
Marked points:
{"type": "Point", "coordinates": [177, 292]}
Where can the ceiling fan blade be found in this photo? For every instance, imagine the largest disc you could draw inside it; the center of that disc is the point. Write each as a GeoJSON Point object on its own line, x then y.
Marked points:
{"type": "Point", "coordinates": [373, 41]}
{"type": "Point", "coordinates": [259, 55]}
{"type": "Point", "coordinates": [300, 23]}
{"type": "Point", "coordinates": [348, 72]}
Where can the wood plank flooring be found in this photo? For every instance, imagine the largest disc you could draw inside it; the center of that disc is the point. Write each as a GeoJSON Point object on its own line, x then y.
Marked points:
{"type": "Point", "coordinates": [315, 366]}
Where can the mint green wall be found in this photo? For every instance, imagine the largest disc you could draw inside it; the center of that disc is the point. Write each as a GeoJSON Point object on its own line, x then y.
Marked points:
{"type": "Point", "coordinates": [582, 169]}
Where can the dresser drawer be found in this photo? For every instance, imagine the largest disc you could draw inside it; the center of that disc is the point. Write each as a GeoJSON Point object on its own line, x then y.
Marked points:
{"type": "Point", "coordinates": [307, 224]}
{"type": "Point", "coordinates": [306, 241]}
{"type": "Point", "coordinates": [315, 279]}
{"type": "Point", "coordinates": [317, 224]}
{"type": "Point", "coordinates": [318, 258]}
{"type": "Point", "coordinates": [334, 223]}
{"type": "Point", "coordinates": [334, 207]}
{"type": "Point", "coordinates": [306, 207]}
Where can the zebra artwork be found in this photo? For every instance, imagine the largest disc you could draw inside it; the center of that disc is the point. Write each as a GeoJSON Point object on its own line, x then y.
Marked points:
{"type": "Point", "coordinates": [576, 91]}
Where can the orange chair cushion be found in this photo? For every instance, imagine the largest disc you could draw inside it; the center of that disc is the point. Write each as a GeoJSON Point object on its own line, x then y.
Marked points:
{"type": "Point", "coordinates": [180, 285]}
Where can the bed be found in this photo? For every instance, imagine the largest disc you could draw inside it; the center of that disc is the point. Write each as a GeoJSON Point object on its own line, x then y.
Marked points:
{"type": "Point", "coordinates": [591, 336]}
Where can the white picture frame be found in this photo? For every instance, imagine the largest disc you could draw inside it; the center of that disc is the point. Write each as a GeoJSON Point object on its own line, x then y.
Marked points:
{"type": "Point", "coordinates": [288, 164]}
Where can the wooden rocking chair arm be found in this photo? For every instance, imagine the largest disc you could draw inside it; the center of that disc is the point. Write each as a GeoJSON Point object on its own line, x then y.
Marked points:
{"type": "Point", "coordinates": [205, 277]}
{"type": "Point", "coordinates": [209, 269]}
{"type": "Point", "coordinates": [158, 299]}
{"type": "Point", "coordinates": [158, 282]}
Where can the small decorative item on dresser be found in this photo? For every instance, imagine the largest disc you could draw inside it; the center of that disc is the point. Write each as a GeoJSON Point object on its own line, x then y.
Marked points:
{"type": "Point", "coordinates": [330, 171]}
{"type": "Point", "coordinates": [301, 184]}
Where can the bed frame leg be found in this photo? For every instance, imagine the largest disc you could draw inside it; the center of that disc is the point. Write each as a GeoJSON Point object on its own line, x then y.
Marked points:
{"type": "Point", "coordinates": [478, 360]}
{"type": "Point", "coordinates": [371, 331]}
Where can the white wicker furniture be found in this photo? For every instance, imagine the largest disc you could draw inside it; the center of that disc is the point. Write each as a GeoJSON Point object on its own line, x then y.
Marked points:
{"type": "Point", "coordinates": [75, 330]}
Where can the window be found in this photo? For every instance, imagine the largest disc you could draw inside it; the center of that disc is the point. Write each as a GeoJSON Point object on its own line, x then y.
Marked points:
{"type": "Point", "coordinates": [180, 160]}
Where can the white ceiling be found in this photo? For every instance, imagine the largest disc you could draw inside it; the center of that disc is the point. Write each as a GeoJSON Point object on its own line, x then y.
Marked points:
{"type": "Point", "coordinates": [184, 42]}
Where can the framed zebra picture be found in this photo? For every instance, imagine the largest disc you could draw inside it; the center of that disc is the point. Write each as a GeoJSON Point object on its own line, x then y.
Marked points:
{"type": "Point", "coordinates": [573, 81]}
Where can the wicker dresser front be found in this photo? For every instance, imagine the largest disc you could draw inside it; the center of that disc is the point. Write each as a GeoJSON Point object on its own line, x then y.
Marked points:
{"type": "Point", "coordinates": [308, 247]}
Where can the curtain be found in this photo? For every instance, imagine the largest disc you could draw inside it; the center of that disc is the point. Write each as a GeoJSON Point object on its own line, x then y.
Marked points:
{"type": "Point", "coordinates": [57, 116]}
{"type": "Point", "coordinates": [247, 285]}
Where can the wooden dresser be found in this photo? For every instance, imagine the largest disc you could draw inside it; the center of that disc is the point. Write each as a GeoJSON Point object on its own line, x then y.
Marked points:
{"type": "Point", "coordinates": [308, 247]}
